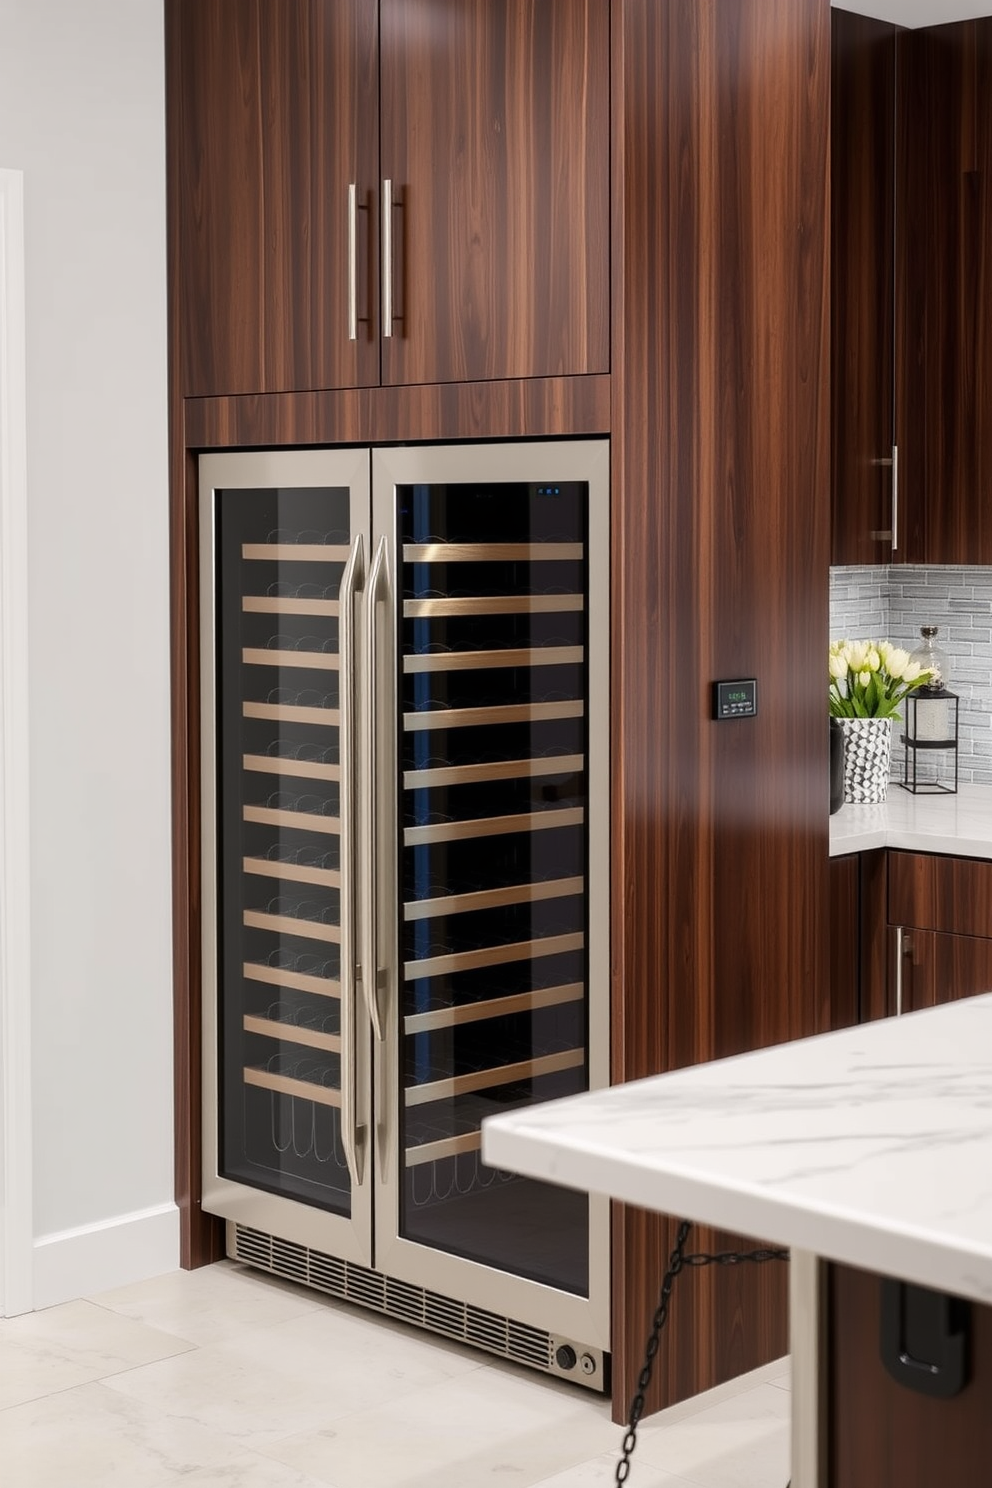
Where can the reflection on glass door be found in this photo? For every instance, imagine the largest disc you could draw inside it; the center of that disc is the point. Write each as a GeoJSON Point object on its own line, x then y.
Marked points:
{"type": "Point", "coordinates": [283, 557]}
{"type": "Point", "coordinates": [493, 858]}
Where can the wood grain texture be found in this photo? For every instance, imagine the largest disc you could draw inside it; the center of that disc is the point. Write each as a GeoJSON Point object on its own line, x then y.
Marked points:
{"type": "Point", "coordinates": [841, 1007]}
{"type": "Point", "coordinates": [929, 891]}
{"type": "Point", "coordinates": [495, 133]}
{"type": "Point", "coordinates": [940, 968]}
{"type": "Point", "coordinates": [201, 1235]}
{"type": "Point", "coordinates": [720, 562]}
{"type": "Point", "coordinates": [275, 112]}
{"type": "Point", "coordinates": [862, 267]}
{"type": "Point", "coordinates": [881, 1432]}
{"type": "Point", "coordinates": [531, 407]}
{"type": "Point", "coordinates": [945, 183]}
{"type": "Point", "coordinates": [877, 1000]}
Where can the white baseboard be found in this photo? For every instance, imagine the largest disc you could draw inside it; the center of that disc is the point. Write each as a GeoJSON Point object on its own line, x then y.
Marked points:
{"type": "Point", "coordinates": [96, 1258]}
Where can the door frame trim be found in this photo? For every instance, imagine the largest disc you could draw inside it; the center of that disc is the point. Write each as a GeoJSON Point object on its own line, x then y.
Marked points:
{"type": "Point", "coordinates": [16, 1169]}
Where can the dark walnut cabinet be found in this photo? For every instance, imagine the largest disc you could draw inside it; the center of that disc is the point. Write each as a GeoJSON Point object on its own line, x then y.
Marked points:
{"type": "Point", "coordinates": [401, 192]}
{"type": "Point", "coordinates": [608, 217]}
{"type": "Point", "coordinates": [909, 930]}
{"type": "Point", "coordinates": [862, 269]}
{"type": "Point", "coordinates": [940, 914]}
{"type": "Point", "coordinates": [911, 249]}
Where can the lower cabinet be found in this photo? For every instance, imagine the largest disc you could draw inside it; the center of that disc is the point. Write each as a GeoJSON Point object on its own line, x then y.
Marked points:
{"type": "Point", "coordinates": [940, 929]}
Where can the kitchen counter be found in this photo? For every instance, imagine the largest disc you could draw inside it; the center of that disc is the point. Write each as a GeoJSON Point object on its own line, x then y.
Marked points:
{"type": "Point", "coordinates": [871, 1147]}
{"type": "Point", "coordinates": [960, 824]}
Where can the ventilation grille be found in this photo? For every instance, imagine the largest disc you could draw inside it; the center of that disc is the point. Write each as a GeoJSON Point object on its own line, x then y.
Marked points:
{"type": "Point", "coordinates": [410, 1304]}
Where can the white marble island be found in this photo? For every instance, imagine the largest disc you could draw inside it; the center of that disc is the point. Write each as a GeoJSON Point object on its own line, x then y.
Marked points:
{"type": "Point", "coordinates": [871, 1147]}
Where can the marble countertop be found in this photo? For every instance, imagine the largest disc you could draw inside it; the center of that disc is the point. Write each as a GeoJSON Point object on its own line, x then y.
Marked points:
{"type": "Point", "coordinates": [960, 824]}
{"type": "Point", "coordinates": [871, 1146]}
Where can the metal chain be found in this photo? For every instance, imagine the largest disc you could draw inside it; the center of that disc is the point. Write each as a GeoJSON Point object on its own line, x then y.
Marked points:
{"type": "Point", "coordinates": [677, 1262]}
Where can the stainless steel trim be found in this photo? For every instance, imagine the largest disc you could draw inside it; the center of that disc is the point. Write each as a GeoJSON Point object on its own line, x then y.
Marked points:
{"type": "Point", "coordinates": [478, 661]}
{"type": "Point", "coordinates": [387, 257]}
{"type": "Point", "coordinates": [289, 713]}
{"type": "Point", "coordinates": [353, 261]}
{"type": "Point", "coordinates": [289, 925]}
{"type": "Point", "coordinates": [494, 826]}
{"type": "Point", "coordinates": [350, 1137]}
{"type": "Point", "coordinates": [347, 1229]}
{"type": "Point", "coordinates": [553, 764]}
{"type": "Point", "coordinates": [267, 604]}
{"type": "Point", "coordinates": [488, 1079]}
{"type": "Point", "coordinates": [306, 821]}
{"type": "Point", "coordinates": [493, 1007]}
{"type": "Point", "coordinates": [901, 946]}
{"type": "Point", "coordinates": [381, 748]}
{"type": "Point", "coordinates": [445, 718]}
{"type": "Point", "coordinates": [296, 552]}
{"type": "Point", "coordinates": [549, 945]}
{"type": "Point", "coordinates": [529, 893]}
{"type": "Point", "coordinates": [498, 604]}
{"type": "Point", "coordinates": [324, 1095]}
{"type": "Point", "coordinates": [441, 552]}
{"type": "Point", "coordinates": [320, 661]}
{"type": "Point", "coordinates": [447, 1147]}
{"type": "Point", "coordinates": [807, 1317]}
{"type": "Point", "coordinates": [328, 878]}
{"type": "Point", "coordinates": [895, 497]}
{"type": "Point", "coordinates": [276, 764]}
{"type": "Point", "coordinates": [409, 1261]}
{"type": "Point", "coordinates": [276, 976]}
{"type": "Point", "coordinates": [292, 1033]}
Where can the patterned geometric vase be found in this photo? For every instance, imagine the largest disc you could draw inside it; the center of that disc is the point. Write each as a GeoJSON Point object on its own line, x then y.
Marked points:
{"type": "Point", "coordinates": [867, 754]}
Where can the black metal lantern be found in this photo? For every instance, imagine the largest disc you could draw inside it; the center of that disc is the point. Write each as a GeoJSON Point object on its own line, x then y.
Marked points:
{"type": "Point", "coordinates": [931, 740]}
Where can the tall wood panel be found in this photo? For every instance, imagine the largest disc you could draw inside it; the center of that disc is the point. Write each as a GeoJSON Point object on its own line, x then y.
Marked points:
{"type": "Point", "coordinates": [495, 136]}
{"type": "Point", "coordinates": [720, 563]}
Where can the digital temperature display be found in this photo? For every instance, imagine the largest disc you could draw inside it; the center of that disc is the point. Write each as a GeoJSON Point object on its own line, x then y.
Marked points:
{"type": "Point", "coordinates": [736, 699]}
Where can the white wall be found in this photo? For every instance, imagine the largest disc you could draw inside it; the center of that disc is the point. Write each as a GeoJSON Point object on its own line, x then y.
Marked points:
{"type": "Point", "coordinates": [82, 115]}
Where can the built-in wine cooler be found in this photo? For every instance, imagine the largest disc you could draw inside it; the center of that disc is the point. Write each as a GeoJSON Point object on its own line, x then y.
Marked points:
{"type": "Point", "coordinates": [405, 874]}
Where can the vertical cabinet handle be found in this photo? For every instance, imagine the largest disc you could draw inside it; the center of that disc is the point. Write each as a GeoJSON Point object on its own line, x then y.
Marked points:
{"type": "Point", "coordinates": [353, 262]}
{"type": "Point", "coordinates": [895, 497]}
{"type": "Point", "coordinates": [902, 948]}
{"type": "Point", "coordinates": [387, 258]}
{"type": "Point", "coordinates": [350, 1133]}
{"type": "Point", "coordinates": [379, 743]}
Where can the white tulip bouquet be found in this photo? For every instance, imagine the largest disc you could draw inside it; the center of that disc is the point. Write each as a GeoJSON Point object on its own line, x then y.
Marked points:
{"type": "Point", "coordinates": [869, 679]}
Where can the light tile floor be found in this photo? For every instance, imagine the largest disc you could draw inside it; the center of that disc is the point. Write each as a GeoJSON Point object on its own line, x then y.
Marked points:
{"type": "Point", "coordinates": [227, 1377]}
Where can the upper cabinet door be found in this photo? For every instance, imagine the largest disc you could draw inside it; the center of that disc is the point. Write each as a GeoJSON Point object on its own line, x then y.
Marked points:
{"type": "Point", "coordinates": [495, 145]}
{"type": "Point", "coordinates": [273, 116]}
{"type": "Point", "coordinates": [865, 517]}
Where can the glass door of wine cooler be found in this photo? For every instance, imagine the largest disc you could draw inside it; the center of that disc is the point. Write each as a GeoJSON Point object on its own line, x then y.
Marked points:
{"type": "Point", "coordinates": [489, 677]}
{"type": "Point", "coordinates": [284, 554]}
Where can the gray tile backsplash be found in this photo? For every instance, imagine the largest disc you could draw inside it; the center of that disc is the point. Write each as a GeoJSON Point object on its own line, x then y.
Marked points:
{"type": "Point", "coordinates": [892, 603]}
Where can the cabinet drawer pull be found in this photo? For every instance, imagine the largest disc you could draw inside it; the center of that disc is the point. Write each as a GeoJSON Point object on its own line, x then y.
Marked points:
{"type": "Point", "coordinates": [387, 257]}
{"type": "Point", "coordinates": [353, 262]}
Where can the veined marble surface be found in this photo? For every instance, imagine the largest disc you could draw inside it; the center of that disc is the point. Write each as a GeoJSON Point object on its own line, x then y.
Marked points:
{"type": "Point", "coordinates": [959, 824]}
{"type": "Point", "coordinates": [871, 1146]}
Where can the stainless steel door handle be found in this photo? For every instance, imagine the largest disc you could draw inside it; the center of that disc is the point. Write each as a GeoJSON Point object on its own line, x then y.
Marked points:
{"type": "Point", "coordinates": [381, 769]}
{"type": "Point", "coordinates": [353, 262]}
{"type": "Point", "coordinates": [387, 258]}
{"type": "Point", "coordinates": [351, 1135]}
{"type": "Point", "coordinates": [903, 947]}
{"type": "Point", "coordinates": [895, 497]}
